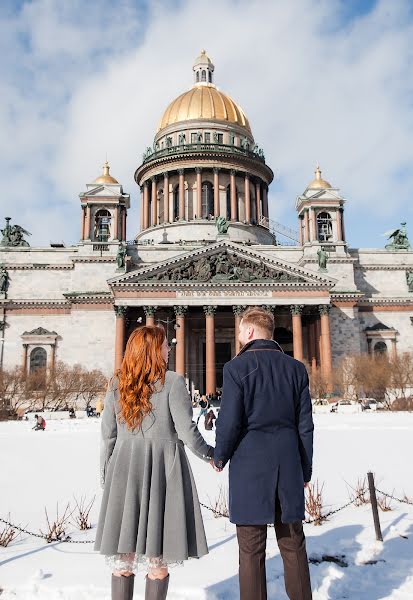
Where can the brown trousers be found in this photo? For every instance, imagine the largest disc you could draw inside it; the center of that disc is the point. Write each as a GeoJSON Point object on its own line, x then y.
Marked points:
{"type": "Point", "coordinates": [252, 541]}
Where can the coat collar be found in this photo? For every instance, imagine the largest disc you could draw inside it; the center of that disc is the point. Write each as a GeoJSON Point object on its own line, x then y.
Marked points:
{"type": "Point", "coordinates": [262, 344]}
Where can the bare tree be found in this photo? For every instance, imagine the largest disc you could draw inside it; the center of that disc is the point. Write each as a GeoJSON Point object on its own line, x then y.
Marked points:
{"type": "Point", "coordinates": [12, 391]}
{"type": "Point", "coordinates": [319, 384]}
{"type": "Point", "coordinates": [94, 384]}
{"type": "Point", "coordinates": [401, 367]}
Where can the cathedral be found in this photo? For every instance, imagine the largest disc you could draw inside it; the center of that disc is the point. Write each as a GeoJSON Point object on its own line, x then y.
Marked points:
{"type": "Point", "coordinates": [207, 248]}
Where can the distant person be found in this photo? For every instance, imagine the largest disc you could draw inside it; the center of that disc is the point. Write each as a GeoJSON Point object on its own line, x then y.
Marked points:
{"type": "Point", "coordinates": [265, 429]}
{"type": "Point", "coordinates": [40, 423]}
{"type": "Point", "coordinates": [150, 512]}
{"type": "Point", "coordinates": [99, 407]}
{"type": "Point", "coordinates": [209, 420]}
{"type": "Point", "coordinates": [204, 405]}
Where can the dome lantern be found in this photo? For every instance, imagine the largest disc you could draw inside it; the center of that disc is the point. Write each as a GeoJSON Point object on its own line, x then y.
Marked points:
{"type": "Point", "coordinates": [106, 177]}
{"type": "Point", "coordinates": [318, 183]}
{"type": "Point", "coordinates": [203, 69]}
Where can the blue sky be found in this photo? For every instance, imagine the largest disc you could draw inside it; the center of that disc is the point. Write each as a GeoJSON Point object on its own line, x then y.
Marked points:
{"type": "Point", "coordinates": [327, 80]}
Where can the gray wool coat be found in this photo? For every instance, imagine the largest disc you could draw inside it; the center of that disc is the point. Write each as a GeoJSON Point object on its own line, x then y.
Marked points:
{"type": "Point", "coordinates": [150, 504]}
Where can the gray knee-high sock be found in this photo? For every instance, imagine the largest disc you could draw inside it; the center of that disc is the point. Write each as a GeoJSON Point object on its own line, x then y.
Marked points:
{"type": "Point", "coordinates": [122, 587]}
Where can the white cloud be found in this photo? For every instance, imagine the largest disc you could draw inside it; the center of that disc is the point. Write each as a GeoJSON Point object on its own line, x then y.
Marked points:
{"type": "Point", "coordinates": [314, 89]}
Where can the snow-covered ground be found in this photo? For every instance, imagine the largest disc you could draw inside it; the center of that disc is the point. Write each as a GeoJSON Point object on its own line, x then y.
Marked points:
{"type": "Point", "coordinates": [40, 469]}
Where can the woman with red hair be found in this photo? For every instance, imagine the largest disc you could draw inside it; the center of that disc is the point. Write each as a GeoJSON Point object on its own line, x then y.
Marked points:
{"type": "Point", "coordinates": [150, 510]}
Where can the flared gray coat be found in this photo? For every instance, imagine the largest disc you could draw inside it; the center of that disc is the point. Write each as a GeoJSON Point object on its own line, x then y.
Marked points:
{"type": "Point", "coordinates": [150, 504]}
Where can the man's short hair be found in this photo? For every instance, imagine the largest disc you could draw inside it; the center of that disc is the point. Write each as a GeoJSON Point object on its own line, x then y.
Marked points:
{"type": "Point", "coordinates": [260, 318]}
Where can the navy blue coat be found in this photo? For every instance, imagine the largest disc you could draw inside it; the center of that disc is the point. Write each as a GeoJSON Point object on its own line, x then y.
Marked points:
{"type": "Point", "coordinates": [265, 429]}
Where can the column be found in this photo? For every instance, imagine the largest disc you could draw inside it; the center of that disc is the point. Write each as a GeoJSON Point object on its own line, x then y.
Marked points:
{"type": "Point", "coordinates": [87, 223]}
{"type": "Point", "coordinates": [237, 310]}
{"type": "Point", "coordinates": [116, 223]}
{"type": "Point", "coordinates": [210, 367]}
{"type": "Point", "coordinates": [318, 342]}
{"type": "Point", "coordinates": [247, 198]}
{"type": "Point", "coordinates": [141, 223]}
{"type": "Point", "coordinates": [166, 197]}
{"type": "Point", "coordinates": [326, 343]}
{"type": "Point", "coordinates": [82, 223]}
{"type": "Point", "coordinates": [233, 196]}
{"type": "Point", "coordinates": [339, 232]}
{"type": "Point", "coordinates": [393, 349]}
{"type": "Point", "coordinates": [312, 355]}
{"type": "Point", "coordinates": [52, 360]}
{"type": "Point", "coordinates": [198, 171]}
{"type": "Point", "coordinates": [25, 347]}
{"type": "Point", "coordinates": [145, 205]}
{"type": "Point", "coordinates": [306, 227]}
{"type": "Point", "coordinates": [150, 315]}
{"type": "Point", "coordinates": [119, 335]}
{"type": "Point", "coordinates": [300, 228]}
{"type": "Point", "coordinates": [216, 193]}
{"type": "Point", "coordinates": [124, 224]}
{"type": "Point", "coordinates": [343, 234]}
{"type": "Point", "coordinates": [296, 310]}
{"type": "Point", "coordinates": [181, 195]}
{"type": "Point", "coordinates": [154, 202]}
{"type": "Point", "coordinates": [258, 198]}
{"type": "Point", "coordinates": [180, 339]}
{"type": "Point", "coordinates": [265, 201]}
{"type": "Point", "coordinates": [313, 236]}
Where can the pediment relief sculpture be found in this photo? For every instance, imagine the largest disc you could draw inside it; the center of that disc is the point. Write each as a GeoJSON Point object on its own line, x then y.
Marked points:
{"type": "Point", "coordinates": [222, 267]}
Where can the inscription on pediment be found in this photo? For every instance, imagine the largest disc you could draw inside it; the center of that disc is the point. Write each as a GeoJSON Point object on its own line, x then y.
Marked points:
{"type": "Point", "coordinates": [222, 267]}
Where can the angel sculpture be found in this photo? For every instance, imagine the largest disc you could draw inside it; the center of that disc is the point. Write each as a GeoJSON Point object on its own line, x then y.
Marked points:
{"type": "Point", "coordinates": [398, 237]}
{"type": "Point", "coordinates": [13, 235]}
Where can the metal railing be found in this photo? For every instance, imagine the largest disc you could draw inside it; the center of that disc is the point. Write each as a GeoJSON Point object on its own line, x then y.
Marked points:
{"type": "Point", "coordinates": [202, 147]}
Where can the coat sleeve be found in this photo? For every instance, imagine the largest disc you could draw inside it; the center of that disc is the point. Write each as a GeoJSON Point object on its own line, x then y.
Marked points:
{"type": "Point", "coordinates": [180, 406]}
{"type": "Point", "coordinates": [229, 422]}
{"type": "Point", "coordinates": [109, 431]}
{"type": "Point", "coordinates": [305, 426]}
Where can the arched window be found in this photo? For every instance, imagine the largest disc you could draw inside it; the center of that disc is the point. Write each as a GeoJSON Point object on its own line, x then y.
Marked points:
{"type": "Point", "coordinates": [176, 203]}
{"type": "Point", "coordinates": [102, 225]}
{"type": "Point", "coordinates": [203, 76]}
{"type": "Point", "coordinates": [380, 348]}
{"type": "Point", "coordinates": [197, 76]}
{"type": "Point", "coordinates": [209, 76]}
{"type": "Point", "coordinates": [160, 206]}
{"type": "Point", "coordinates": [38, 359]}
{"type": "Point", "coordinates": [253, 204]}
{"type": "Point", "coordinates": [324, 227]}
{"type": "Point", "coordinates": [207, 199]}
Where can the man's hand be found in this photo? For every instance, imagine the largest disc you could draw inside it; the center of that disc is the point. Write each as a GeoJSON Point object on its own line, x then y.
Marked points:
{"type": "Point", "coordinates": [213, 465]}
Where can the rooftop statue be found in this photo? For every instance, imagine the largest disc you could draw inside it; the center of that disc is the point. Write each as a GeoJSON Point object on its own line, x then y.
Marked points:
{"type": "Point", "coordinates": [322, 259]}
{"type": "Point", "coordinates": [222, 224]}
{"type": "Point", "coordinates": [120, 257]}
{"type": "Point", "coordinates": [13, 235]}
{"type": "Point", "coordinates": [4, 280]}
{"type": "Point", "coordinates": [398, 237]}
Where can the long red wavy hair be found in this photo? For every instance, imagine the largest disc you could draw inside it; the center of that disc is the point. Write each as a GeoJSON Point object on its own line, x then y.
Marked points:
{"type": "Point", "coordinates": [142, 368]}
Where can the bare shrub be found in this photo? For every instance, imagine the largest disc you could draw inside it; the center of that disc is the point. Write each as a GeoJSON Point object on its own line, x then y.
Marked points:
{"type": "Point", "coordinates": [8, 534]}
{"type": "Point", "coordinates": [81, 517]}
{"type": "Point", "coordinates": [314, 502]}
{"type": "Point", "coordinates": [57, 529]}
{"type": "Point", "coordinates": [384, 503]}
{"type": "Point", "coordinates": [220, 504]}
{"type": "Point", "coordinates": [360, 494]}
{"type": "Point", "coordinates": [402, 404]}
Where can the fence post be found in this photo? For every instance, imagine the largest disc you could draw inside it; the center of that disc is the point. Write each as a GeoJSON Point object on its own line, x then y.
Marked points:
{"type": "Point", "coordinates": [373, 500]}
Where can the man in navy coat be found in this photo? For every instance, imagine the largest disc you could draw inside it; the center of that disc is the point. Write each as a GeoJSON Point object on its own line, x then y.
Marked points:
{"type": "Point", "coordinates": [265, 429]}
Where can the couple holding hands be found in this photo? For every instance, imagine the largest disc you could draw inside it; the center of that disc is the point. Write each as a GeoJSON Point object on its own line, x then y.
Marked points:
{"type": "Point", "coordinates": [150, 511]}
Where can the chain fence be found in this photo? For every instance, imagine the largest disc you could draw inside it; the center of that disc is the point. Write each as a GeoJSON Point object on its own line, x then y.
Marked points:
{"type": "Point", "coordinates": [66, 539]}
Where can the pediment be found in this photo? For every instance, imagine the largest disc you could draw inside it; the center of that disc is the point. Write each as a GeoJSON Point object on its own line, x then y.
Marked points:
{"type": "Point", "coordinates": [103, 191]}
{"type": "Point", "coordinates": [324, 194]}
{"type": "Point", "coordinates": [223, 263]}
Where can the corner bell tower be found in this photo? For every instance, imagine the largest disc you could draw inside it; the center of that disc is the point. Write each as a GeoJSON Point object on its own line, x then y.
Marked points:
{"type": "Point", "coordinates": [321, 215]}
{"type": "Point", "coordinates": [104, 208]}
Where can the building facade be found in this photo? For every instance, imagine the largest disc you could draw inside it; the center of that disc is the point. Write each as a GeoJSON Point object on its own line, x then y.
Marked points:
{"type": "Point", "coordinates": [205, 249]}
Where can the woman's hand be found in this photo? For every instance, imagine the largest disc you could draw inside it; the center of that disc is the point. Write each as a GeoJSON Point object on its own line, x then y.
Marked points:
{"type": "Point", "coordinates": [213, 465]}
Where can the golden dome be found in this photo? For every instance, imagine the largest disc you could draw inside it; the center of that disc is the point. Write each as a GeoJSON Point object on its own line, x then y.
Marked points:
{"type": "Point", "coordinates": [204, 101]}
{"type": "Point", "coordinates": [106, 177]}
{"type": "Point", "coordinates": [318, 183]}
